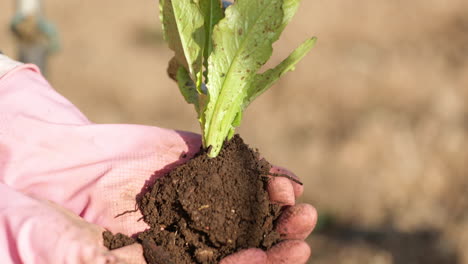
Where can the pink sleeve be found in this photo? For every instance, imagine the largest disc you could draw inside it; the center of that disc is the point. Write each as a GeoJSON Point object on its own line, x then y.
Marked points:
{"type": "Point", "coordinates": [23, 91]}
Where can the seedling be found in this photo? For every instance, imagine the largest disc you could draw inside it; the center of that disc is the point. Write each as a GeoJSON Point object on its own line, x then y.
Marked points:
{"type": "Point", "coordinates": [211, 208]}
{"type": "Point", "coordinates": [218, 55]}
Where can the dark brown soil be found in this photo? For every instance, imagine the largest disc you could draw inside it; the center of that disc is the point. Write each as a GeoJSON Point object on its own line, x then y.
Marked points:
{"type": "Point", "coordinates": [207, 209]}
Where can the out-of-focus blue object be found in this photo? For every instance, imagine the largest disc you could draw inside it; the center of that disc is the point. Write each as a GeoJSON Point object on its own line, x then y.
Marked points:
{"type": "Point", "coordinates": [226, 4]}
{"type": "Point", "coordinates": [37, 37]}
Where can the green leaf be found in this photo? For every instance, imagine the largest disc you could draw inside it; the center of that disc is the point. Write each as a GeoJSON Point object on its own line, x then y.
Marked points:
{"type": "Point", "coordinates": [187, 87]}
{"type": "Point", "coordinates": [183, 30]}
{"type": "Point", "coordinates": [235, 123]}
{"type": "Point", "coordinates": [232, 45]}
{"type": "Point", "coordinates": [212, 12]}
{"type": "Point", "coordinates": [242, 44]}
{"type": "Point", "coordinates": [265, 80]}
{"type": "Point", "coordinates": [290, 8]}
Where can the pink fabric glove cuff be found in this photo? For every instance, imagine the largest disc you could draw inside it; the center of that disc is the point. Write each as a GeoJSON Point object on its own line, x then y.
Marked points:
{"type": "Point", "coordinates": [7, 65]}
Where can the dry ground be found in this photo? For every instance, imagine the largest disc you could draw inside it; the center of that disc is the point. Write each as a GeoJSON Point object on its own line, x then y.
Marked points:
{"type": "Point", "coordinates": [375, 120]}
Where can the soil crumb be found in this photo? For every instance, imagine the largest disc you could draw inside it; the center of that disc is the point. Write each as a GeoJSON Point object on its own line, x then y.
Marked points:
{"type": "Point", "coordinates": [209, 208]}
{"type": "Point", "coordinates": [116, 241]}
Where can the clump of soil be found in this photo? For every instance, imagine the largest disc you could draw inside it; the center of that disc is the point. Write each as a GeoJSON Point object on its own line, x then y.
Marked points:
{"type": "Point", "coordinates": [208, 208]}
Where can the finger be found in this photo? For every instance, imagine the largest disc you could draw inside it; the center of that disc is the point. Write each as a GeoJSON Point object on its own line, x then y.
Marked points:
{"type": "Point", "coordinates": [281, 191]}
{"type": "Point", "coordinates": [154, 253]}
{"type": "Point", "coordinates": [132, 254]}
{"type": "Point", "coordinates": [89, 256]}
{"type": "Point", "coordinates": [297, 222]}
{"type": "Point", "coordinates": [298, 189]}
{"type": "Point", "coordinates": [290, 251]}
{"type": "Point", "coordinates": [90, 249]}
{"type": "Point", "coordinates": [246, 256]}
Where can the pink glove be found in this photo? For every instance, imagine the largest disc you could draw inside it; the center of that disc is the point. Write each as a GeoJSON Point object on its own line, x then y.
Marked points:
{"type": "Point", "coordinates": [49, 151]}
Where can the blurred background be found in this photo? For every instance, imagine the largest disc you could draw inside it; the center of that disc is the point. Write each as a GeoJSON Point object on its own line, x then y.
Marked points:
{"type": "Point", "coordinates": [374, 120]}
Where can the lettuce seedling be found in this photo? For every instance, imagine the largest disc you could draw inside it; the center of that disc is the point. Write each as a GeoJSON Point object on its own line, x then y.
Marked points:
{"type": "Point", "coordinates": [218, 54]}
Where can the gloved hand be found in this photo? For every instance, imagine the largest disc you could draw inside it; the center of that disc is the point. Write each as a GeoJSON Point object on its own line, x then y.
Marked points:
{"type": "Point", "coordinates": [64, 179]}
